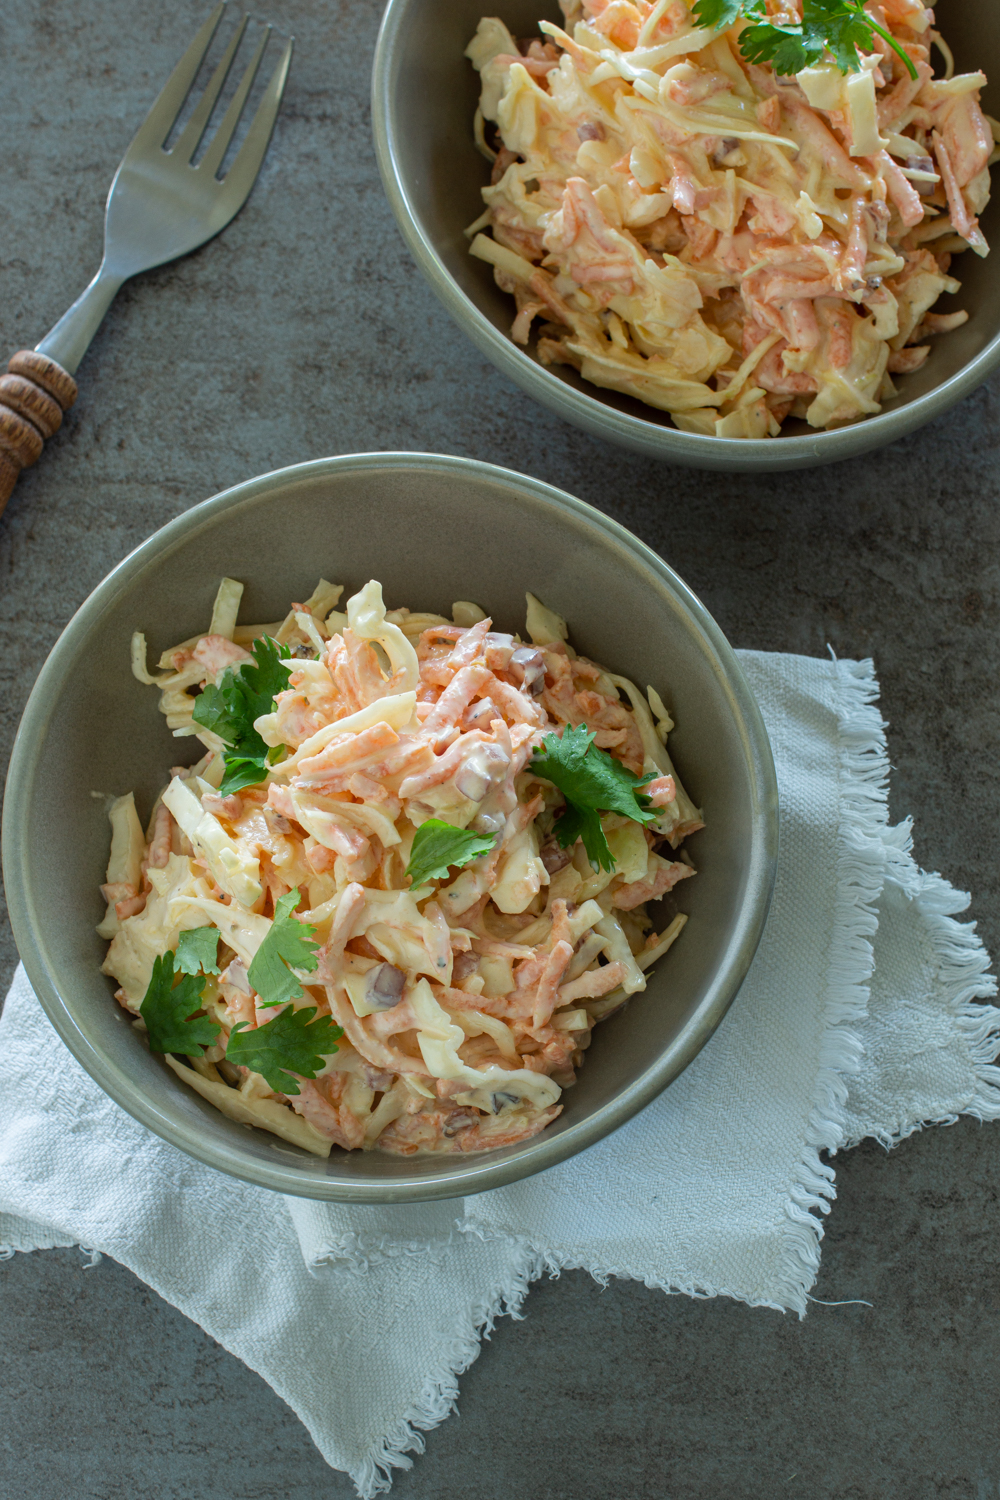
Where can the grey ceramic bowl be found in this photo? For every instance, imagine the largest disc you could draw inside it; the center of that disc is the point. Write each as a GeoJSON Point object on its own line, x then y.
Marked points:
{"type": "Point", "coordinates": [424, 94]}
{"type": "Point", "coordinates": [432, 530]}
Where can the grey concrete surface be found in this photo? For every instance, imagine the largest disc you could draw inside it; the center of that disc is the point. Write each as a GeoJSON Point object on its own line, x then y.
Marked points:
{"type": "Point", "coordinates": [303, 331]}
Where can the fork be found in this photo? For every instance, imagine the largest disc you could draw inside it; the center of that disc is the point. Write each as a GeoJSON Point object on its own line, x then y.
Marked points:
{"type": "Point", "coordinates": [160, 206]}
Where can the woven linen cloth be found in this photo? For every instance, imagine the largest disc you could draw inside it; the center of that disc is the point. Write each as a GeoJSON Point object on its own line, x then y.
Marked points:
{"type": "Point", "coordinates": [863, 1015]}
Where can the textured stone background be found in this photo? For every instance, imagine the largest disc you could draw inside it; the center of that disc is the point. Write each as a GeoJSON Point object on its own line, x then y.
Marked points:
{"type": "Point", "coordinates": [305, 330]}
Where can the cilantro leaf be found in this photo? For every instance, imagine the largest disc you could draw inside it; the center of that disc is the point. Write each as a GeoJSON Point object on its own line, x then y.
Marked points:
{"type": "Point", "coordinates": [230, 706]}
{"type": "Point", "coordinates": [217, 707]}
{"type": "Point", "coordinates": [591, 780]}
{"type": "Point", "coordinates": [717, 14]}
{"type": "Point", "coordinates": [293, 1041]}
{"type": "Point", "coordinates": [841, 27]}
{"type": "Point", "coordinates": [784, 47]}
{"type": "Point", "coordinates": [167, 1008]}
{"type": "Point", "coordinates": [288, 942]}
{"type": "Point", "coordinates": [437, 845]}
{"type": "Point", "coordinates": [198, 950]}
{"type": "Point", "coordinates": [845, 28]}
{"type": "Point", "coordinates": [241, 771]}
{"type": "Point", "coordinates": [849, 29]}
{"type": "Point", "coordinates": [585, 823]}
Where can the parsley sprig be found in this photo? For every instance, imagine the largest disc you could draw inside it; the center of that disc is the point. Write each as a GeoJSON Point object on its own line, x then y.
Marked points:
{"type": "Point", "coordinates": [168, 1011]}
{"type": "Point", "coordinates": [841, 28]}
{"type": "Point", "coordinates": [291, 1043]}
{"type": "Point", "coordinates": [198, 950]}
{"type": "Point", "coordinates": [288, 942]}
{"type": "Point", "coordinates": [230, 706]}
{"type": "Point", "coordinates": [592, 781]}
{"type": "Point", "coordinates": [437, 846]}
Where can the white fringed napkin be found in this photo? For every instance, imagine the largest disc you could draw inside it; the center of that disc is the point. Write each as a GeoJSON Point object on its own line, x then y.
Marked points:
{"type": "Point", "coordinates": [862, 1015]}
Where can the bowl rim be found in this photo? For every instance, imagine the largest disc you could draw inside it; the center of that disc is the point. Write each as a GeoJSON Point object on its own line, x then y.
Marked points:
{"type": "Point", "coordinates": [454, 1177]}
{"type": "Point", "coordinates": [589, 412]}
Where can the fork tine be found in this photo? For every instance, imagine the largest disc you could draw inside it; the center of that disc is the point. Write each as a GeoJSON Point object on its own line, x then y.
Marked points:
{"type": "Point", "coordinates": [212, 159]}
{"type": "Point", "coordinates": [243, 172]}
{"type": "Point", "coordinates": [193, 131]}
{"type": "Point", "coordinates": [156, 127]}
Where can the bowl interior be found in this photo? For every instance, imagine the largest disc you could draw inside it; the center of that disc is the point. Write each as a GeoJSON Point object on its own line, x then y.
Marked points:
{"type": "Point", "coordinates": [429, 93]}
{"type": "Point", "coordinates": [432, 530]}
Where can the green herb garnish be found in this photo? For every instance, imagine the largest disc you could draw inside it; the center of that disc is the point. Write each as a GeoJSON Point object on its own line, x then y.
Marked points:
{"type": "Point", "coordinates": [230, 706]}
{"type": "Point", "coordinates": [437, 846]}
{"type": "Point", "coordinates": [592, 781]}
{"type": "Point", "coordinates": [288, 942]}
{"type": "Point", "coordinates": [841, 28]}
{"type": "Point", "coordinates": [168, 1008]}
{"type": "Point", "coordinates": [198, 950]}
{"type": "Point", "coordinates": [292, 1043]}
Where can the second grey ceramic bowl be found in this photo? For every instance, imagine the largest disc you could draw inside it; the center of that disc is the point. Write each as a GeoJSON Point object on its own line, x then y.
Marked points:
{"type": "Point", "coordinates": [432, 530]}
{"type": "Point", "coordinates": [424, 95]}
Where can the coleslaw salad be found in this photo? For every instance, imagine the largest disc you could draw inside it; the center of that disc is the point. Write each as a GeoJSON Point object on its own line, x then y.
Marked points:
{"type": "Point", "coordinates": [729, 245]}
{"type": "Point", "coordinates": [463, 993]}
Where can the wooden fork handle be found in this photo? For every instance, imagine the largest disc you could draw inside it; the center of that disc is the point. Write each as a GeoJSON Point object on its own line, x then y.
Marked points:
{"type": "Point", "coordinates": [34, 393]}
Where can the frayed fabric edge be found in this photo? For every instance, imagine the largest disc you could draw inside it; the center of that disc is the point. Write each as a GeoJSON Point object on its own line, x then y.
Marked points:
{"type": "Point", "coordinates": [552, 1263]}
{"type": "Point", "coordinates": [439, 1395]}
{"type": "Point", "coordinates": [8, 1251]}
{"type": "Point", "coordinates": [20, 1236]}
{"type": "Point", "coordinates": [963, 977]}
{"type": "Point", "coordinates": [861, 865]}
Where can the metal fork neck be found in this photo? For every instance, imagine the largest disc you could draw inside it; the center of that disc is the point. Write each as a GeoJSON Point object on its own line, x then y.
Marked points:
{"type": "Point", "coordinates": [69, 340]}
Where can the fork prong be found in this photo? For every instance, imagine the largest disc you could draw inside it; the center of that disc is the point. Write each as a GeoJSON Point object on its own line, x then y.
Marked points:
{"type": "Point", "coordinates": [242, 174]}
{"type": "Point", "coordinates": [156, 127]}
{"type": "Point", "coordinates": [212, 160]}
{"type": "Point", "coordinates": [187, 143]}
